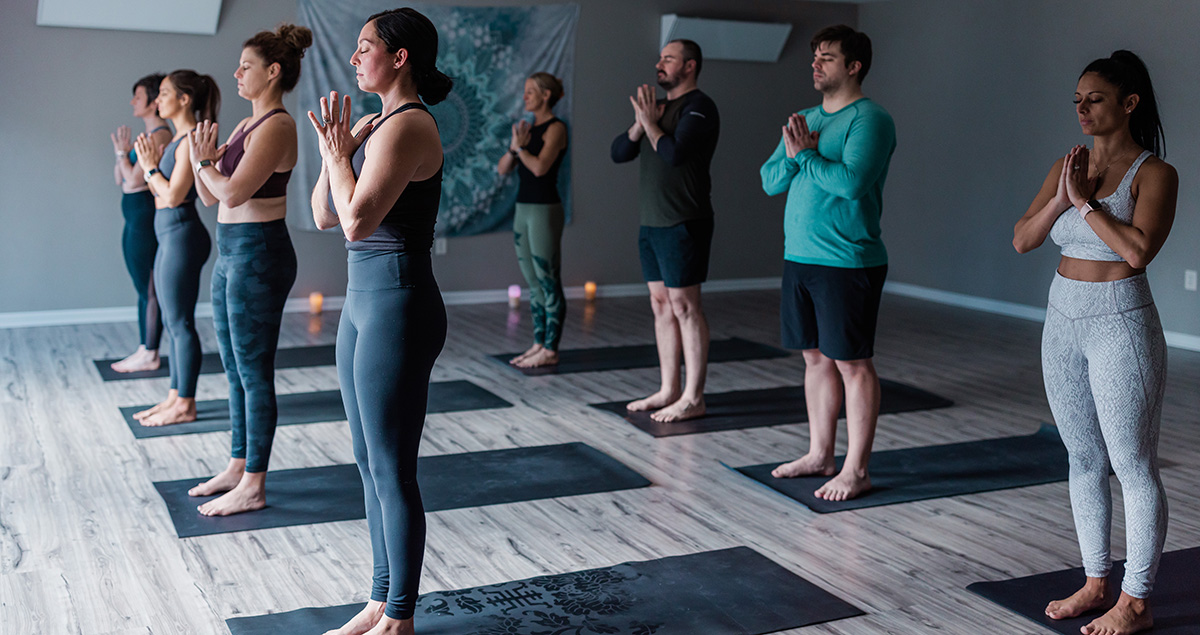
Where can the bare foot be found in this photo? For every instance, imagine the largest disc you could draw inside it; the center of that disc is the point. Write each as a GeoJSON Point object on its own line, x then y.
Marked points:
{"type": "Point", "coordinates": [846, 485]}
{"type": "Point", "coordinates": [140, 360]}
{"type": "Point", "coordinates": [182, 411]}
{"type": "Point", "coordinates": [1129, 616]}
{"type": "Point", "coordinates": [516, 361]}
{"type": "Point", "coordinates": [660, 399]}
{"type": "Point", "coordinates": [172, 396]}
{"type": "Point", "coordinates": [243, 498]}
{"type": "Point", "coordinates": [389, 626]}
{"type": "Point", "coordinates": [1093, 595]}
{"type": "Point", "coordinates": [366, 619]}
{"type": "Point", "coordinates": [544, 357]}
{"type": "Point", "coordinates": [681, 410]}
{"type": "Point", "coordinates": [223, 482]}
{"type": "Point", "coordinates": [808, 465]}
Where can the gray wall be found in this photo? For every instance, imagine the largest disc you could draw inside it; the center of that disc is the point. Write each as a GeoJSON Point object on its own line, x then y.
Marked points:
{"type": "Point", "coordinates": [981, 93]}
{"type": "Point", "coordinates": [65, 89]}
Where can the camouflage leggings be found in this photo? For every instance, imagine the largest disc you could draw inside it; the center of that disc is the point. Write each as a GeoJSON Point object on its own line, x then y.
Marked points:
{"type": "Point", "coordinates": [537, 232]}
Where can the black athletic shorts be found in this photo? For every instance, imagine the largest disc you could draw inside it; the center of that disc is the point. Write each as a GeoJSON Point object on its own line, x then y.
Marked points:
{"type": "Point", "coordinates": [678, 255]}
{"type": "Point", "coordinates": [831, 309]}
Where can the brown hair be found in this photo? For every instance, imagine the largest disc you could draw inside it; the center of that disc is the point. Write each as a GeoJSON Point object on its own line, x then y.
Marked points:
{"type": "Point", "coordinates": [855, 45]}
{"type": "Point", "coordinates": [408, 29]}
{"type": "Point", "coordinates": [206, 96]}
{"type": "Point", "coordinates": [546, 81]}
{"type": "Point", "coordinates": [284, 46]}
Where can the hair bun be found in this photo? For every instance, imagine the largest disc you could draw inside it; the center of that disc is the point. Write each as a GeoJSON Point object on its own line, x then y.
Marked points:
{"type": "Point", "coordinates": [296, 36]}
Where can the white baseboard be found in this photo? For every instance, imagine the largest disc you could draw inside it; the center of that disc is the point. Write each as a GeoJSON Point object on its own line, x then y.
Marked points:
{"type": "Point", "coordinates": [24, 319]}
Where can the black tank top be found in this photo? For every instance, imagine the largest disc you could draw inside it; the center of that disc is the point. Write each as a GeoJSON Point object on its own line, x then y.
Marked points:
{"type": "Point", "coordinates": [408, 226]}
{"type": "Point", "coordinates": [539, 189]}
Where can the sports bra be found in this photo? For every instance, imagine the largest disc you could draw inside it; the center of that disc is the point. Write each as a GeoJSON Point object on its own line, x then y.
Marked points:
{"type": "Point", "coordinates": [166, 165]}
{"type": "Point", "coordinates": [276, 184]}
{"type": "Point", "coordinates": [133, 153]}
{"type": "Point", "coordinates": [1078, 240]}
{"type": "Point", "coordinates": [408, 226]}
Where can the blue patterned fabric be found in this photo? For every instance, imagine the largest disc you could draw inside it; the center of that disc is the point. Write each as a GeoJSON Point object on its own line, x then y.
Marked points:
{"type": "Point", "coordinates": [489, 51]}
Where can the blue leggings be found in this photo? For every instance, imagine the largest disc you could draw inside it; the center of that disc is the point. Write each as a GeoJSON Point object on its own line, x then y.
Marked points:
{"type": "Point", "coordinates": [183, 247]}
{"type": "Point", "coordinates": [255, 270]}
{"type": "Point", "coordinates": [139, 245]}
{"type": "Point", "coordinates": [392, 329]}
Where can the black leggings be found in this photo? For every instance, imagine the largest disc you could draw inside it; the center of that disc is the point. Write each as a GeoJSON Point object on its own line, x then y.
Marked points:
{"type": "Point", "coordinates": [183, 247]}
{"type": "Point", "coordinates": [139, 245]}
{"type": "Point", "coordinates": [392, 329]}
{"type": "Point", "coordinates": [255, 270]}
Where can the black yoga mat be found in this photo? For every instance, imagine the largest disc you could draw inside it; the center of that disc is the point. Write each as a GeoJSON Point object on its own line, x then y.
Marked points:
{"type": "Point", "coordinates": [210, 363]}
{"type": "Point", "coordinates": [767, 407]}
{"type": "Point", "coordinates": [582, 360]}
{"type": "Point", "coordinates": [314, 407]}
{"type": "Point", "coordinates": [936, 471]}
{"type": "Point", "coordinates": [1175, 603]}
{"type": "Point", "coordinates": [453, 481]}
{"type": "Point", "coordinates": [728, 592]}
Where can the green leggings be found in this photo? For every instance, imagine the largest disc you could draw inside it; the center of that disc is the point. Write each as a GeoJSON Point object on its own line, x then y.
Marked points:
{"type": "Point", "coordinates": [537, 232]}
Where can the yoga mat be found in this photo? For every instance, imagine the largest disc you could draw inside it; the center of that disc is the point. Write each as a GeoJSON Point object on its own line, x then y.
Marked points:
{"type": "Point", "coordinates": [1175, 602]}
{"type": "Point", "coordinates": [210, 363]}
{"type": "Point", "coordinates": [581, 360]}
{"type": "Point", "coordinates": [727, 592]}
{"type": "Point", "coordinates": [452, 481]}
{"type": "Point", "coordinates": [768, 407]}
{"type": "Point", "coordinates": [936, 471]}
{"type": "Point", "coordinates": [314, 407]}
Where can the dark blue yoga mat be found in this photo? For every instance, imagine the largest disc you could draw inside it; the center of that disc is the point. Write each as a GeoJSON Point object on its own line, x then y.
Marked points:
{"type": "Point", "coordinates": [210, 363]}
{"type": "Point", "coordinates": [766, 407]}
{"type": "Point", "coordinates": [451, 481]}
{"type": "Point", "coordinates": [936, 471]}
{"type": "Point", "coordinates": [1175, 603]}
{"type": "Point", "coordinates": [728, 592]}
{"type": "Point", "coordinates": [315, 407]}
{"type": "Point", "coordinates": [582, 360]}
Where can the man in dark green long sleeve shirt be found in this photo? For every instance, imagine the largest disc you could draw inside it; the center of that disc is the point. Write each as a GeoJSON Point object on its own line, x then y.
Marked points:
{"type": "Point", "coordinates": [832, 162]}
{"type": "Point", "coordinates": [675, 140]}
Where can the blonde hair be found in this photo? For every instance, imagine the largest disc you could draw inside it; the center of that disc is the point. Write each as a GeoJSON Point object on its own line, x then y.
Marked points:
{"type": "Point", "coordinates": [546, 81]}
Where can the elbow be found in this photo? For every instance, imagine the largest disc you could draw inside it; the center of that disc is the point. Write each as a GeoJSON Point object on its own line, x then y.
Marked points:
{"type": "Point", "coordinates": [1138, 260]}
{"type": "Point", "coordinates": [855, 191]}
{"type": "Point", "coordinates": [355, 230]}
{"type": "Point", "coordinates": [540, 171]}
{"type": "Point", "coordinates": [235, 201]}
{"type": "Point", "coordinates": [1020, 246]}
{"type": "Point", "coordinates": [172, 200]}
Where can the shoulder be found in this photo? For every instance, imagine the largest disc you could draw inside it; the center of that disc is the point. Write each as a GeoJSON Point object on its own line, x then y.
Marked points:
{"type": "Point", "coordinates": [363, 120]}
{"type": "Point", "coordinates": [868, 109]}
{"type": "Point", "coordinates": [413, 126]}
{"type": "Point", "coordinates": [1158, 172]}
{"type": "Point", "coordinates": [698, 101]}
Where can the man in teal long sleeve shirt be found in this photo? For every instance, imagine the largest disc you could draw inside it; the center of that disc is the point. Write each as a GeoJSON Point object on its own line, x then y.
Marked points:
{"type": "Point", "coordinates": [832, 162]}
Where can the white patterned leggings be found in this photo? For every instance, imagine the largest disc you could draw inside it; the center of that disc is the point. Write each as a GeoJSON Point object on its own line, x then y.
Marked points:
{"type": "Point", "coordinates": [1104, 360]}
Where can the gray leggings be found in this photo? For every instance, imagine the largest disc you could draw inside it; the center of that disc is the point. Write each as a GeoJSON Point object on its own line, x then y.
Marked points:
{"type": "Point", "coordinates": [1104, 360]}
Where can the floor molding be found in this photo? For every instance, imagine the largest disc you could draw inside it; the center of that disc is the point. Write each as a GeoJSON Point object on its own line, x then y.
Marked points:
{"type": "Point", "coordinates": [26, 319]}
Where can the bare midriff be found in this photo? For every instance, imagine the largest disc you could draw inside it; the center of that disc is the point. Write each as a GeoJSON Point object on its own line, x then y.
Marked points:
{"type": "Point", "coordinates": [1096, 270]}
{"type": "Point", "coordinates": [255, 210]}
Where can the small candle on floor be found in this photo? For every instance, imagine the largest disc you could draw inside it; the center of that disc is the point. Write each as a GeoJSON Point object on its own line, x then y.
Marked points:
{"type": "Point", "coordinates": [315, 302]}
{"type": "Point", "coordinates": [514, 296]}
{"type": "Point", "coordinates": [589, 290]}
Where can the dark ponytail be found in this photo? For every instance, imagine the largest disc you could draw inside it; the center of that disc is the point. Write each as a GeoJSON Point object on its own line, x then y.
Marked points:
{"type": "Point", "coordinates": [407, 29]}
{"type": "Point", "coordinates": [206, 96]}
{"type": "Point", "coordinates": [1128, 73]}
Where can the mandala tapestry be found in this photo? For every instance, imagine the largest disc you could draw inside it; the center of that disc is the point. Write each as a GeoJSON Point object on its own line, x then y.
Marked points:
{"type": "Point", "coordinates": [489, 51]}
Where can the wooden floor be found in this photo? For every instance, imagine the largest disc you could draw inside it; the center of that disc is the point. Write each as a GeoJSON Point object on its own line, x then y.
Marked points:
{"type": "Point", "coordinates": [86, 545]}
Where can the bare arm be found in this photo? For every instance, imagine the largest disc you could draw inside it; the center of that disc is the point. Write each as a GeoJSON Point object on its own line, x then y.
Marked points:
{"type": "Point", "coordinates": [554, 141]}
{"type": "Point", "coordinates": [323, 217]}
{"type": "Point", "coordinates": [268, 148]}
{"type": "Point", "coordinates": [1051, 201]}
{"type": "Point", "coordinates": [363, 202]}
{"type": "Point", "coordinates": [1157, 188]}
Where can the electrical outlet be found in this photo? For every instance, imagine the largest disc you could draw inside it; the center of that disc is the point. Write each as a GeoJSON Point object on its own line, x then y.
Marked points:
{"type": "Point", "coordinates": [1189, 280]}
{"type": "Point", "coordinates": [439, 247]}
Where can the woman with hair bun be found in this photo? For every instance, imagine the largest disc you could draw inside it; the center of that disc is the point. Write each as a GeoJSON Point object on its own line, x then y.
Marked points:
{"type": "Point", "coordinates": [256, 264]}
{"type": "Point", "coordinates": [137, 240]}
{"type": "Point", "coordinates": [184, 97]}
{"type": "Point", "coordinates": [1104, 358]}
{"type": "Point", "coordinates": [537, 152]}
{"type": "Point", "coordinates": [381, 182]}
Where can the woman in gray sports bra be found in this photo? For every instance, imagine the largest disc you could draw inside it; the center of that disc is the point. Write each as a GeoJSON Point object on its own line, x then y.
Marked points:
{"type": "Point", "coordinates": [1103, 353]}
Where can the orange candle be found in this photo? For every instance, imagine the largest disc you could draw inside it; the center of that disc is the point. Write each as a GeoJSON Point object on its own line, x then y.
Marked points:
{"type": "Point", "coordinates": [589, 290]}
{"type": "Point", "coordinates": [315, 302]}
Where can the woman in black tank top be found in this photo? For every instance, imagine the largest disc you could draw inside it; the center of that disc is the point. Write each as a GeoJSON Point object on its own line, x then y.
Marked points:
{"type": "Point", "coordinates": [383, 192]}
{"type": "Point", "coordinates": [536, 152]}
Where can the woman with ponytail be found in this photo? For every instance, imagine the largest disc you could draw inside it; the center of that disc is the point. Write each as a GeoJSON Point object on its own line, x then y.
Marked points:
{"type": "Point", "coordinates": [1110, 209]}
{"type": "Point", "coordinates": [137, 240]}
{"type": "Point", "coordinates": [184, 97]}
{"type": "Point", "coordinates": [381, 182]}
{"type": "Point", "coordinates": [536, 152]}
{"type": "Point", "coordinates": [256, 264]}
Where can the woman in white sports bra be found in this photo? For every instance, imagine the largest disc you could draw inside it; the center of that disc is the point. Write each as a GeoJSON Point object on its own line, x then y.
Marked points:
{"type": "Point", "coordinates": [1104, 360]}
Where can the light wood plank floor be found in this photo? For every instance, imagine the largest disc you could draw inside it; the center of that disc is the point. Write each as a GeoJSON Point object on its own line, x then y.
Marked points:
{"type": "Point", "coordinates": [86, 546]}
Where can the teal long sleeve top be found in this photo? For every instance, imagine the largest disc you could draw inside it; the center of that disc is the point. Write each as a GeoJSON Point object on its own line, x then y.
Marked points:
{"type": "Point", "coordinates": [835, 192]}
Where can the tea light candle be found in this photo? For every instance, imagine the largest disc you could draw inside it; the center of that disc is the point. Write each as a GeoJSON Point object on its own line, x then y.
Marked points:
{"type": "Point", "coordinates": [514, 295]}
{"type": "Point", "coordinates": [589, 290]}
{"type": "Point", "coordinates": [315, 301]}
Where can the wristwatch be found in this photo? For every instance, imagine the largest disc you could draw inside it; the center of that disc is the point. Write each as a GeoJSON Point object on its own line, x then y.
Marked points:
{"type": "Point", "coordinates": [151, 172]}
{"type": "Point", "coordinates": [1090, 206]}
{"type": "Point", "coordinates": [514, 152]}
{"type": "Point", "coordinates": [203, 163]}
